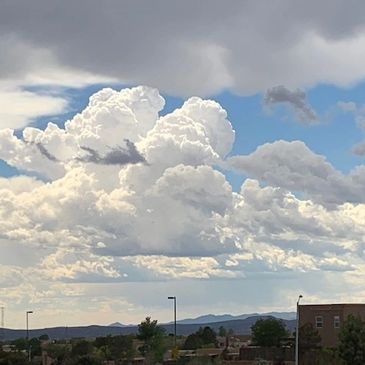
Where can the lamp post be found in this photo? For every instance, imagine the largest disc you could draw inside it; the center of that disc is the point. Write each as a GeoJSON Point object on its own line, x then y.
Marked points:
{"type": "Point", "coordinates": [174, 299]}
{"type": "Point", "coordinates": [27, 323]}
{"type": "Point", "coordinates": [297, 333]}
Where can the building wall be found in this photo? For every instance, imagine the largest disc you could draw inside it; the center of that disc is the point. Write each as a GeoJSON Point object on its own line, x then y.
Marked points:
{"type": "Point", "coordinates": [332, 315]}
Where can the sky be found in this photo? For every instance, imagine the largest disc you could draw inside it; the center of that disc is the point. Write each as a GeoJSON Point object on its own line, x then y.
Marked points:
{"type": "Point", "coordinates": [212, 151]}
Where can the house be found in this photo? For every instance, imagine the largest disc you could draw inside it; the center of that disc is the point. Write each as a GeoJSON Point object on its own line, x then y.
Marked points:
{"type": "Point", "coordinates": [328, 318]}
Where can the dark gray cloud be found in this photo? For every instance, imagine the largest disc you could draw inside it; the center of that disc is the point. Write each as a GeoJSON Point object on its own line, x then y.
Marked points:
{"type": "Point", "coordinates": [295, 99]}
{"type": "Point", "coordinates": [185, 47]}
{"type": "Point", "coordinates": [43, 150]}
{"type": "Point", "coordinates": [116, 156]}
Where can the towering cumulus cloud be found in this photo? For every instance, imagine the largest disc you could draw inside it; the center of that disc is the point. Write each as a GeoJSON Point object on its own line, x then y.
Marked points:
{"type": "Point", "coordinates": [121, 193]}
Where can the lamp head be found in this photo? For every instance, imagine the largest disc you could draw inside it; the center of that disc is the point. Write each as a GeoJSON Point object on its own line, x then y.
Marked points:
{"type": "Point", "coordinates": [171, 297]}
{"type": "Point", "coordinates": [299, 298]}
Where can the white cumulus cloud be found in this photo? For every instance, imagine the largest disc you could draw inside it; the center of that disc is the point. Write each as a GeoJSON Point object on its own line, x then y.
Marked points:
{"type": "Point", "coordinates": [173, 216]}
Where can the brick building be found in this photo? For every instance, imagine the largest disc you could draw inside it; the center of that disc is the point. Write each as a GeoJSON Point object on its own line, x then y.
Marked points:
{"type": "Point", "coordinates": [328, 318]}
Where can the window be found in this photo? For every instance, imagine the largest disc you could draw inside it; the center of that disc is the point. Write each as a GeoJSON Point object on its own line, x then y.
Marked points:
{"type": "Point", "coordinates": [336, 321]}
{"type": "Point", "coordinates": [319, 321]}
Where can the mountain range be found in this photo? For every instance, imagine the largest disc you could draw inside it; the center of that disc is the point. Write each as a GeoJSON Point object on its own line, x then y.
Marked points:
{"type": "Point", "coordinates": [240, 326]}
{"type": "Point", "coordinates": [213, 318]}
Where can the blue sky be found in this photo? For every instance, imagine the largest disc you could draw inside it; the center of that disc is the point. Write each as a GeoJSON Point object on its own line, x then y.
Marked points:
{"type": "Point", "coordinates": [150, 189]}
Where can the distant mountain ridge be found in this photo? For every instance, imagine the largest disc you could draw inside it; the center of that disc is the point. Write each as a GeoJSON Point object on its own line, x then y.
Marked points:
{"type": "Point", "coordinates": [212, 318]}
{"type": "Point", "coordinates": [239, 327]}
{"type": "Point", "coordinates": [118, 324]}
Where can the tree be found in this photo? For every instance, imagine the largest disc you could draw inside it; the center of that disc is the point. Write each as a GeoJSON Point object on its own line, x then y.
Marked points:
{"type": "Point", "coordinates": [44, 337]}
{"type": "Point", "coordinates": [152, 336]}
{"type": "Point", "coordinates": [222, 332]}
{"type": "Point", "coordinates": [115, 347]}
{"type": "Point", "coordinates": [204, 336]}
{"type": "Point", "coordinates": [20, 344]}
{"type": "Point", "coordinates": [268, 332]}
{"type": "Point", "coordinates": [309, 338]}
{"type": "Point", "coordinates": [351, 347]}
{"type": "Point", "coordinates": [35, 346]}
{"type": "Point", "coordinates": [147, 329]}
{"type": "Point", "coordinates": [208, 335]}
{"type": "Point", "coordinates": [193, 342]}
{"type": "Point", "coordinates": [58, 352]}
{"type": "Point", "coordinates": [82, 348]}
{"type": "Point", "coordinates": [13, 358]}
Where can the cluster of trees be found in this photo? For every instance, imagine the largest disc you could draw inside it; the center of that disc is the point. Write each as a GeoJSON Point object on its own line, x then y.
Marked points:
{"type": "Point", "coordinates": [202, 338]}
{"type": "Point", "coordinates": [77, 352]}
{"type": "Point", "coordinates": [12, 358]}
{"type": "Point", "coordinates": [19, 355]}
{"type": "Point", "coordinates": [87, 352]}
{"type": "Point", "coordinates": [268, 332]}
{"type": "Point", "coordinates": [350, 351]}
{"type": "Point", "coordinates": [84, 352]}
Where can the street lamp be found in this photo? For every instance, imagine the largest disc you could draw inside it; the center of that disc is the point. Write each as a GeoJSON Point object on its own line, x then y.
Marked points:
{"type": "Point", "coordinates": [174, 299]}
{"type": "Point", "coordinates": [27, 322]}
{"type": "Point", "coordinates": [297, 333]}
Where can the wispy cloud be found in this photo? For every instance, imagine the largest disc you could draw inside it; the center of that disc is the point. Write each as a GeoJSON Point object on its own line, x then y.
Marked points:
{"type": "Point", "coordinates": [296, 100]}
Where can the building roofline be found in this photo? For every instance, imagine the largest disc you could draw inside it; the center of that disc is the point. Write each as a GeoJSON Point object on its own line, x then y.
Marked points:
{"type": "Point", "coordinates": [329, 304]}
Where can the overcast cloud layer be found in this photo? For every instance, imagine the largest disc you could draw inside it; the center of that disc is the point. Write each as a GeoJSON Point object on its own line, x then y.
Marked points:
{"type": "Point", "coordinates": [182, 48]}
{"type": "Point", "coordinates": [170, 216]}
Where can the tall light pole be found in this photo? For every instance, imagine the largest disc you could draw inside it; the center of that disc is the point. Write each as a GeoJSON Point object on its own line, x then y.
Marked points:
{"type": "Point", "coordinates": [174, 299]}
{"type": "Point", "coordinates": [27, 322]}
{"type": "Point", "coordinates": [297, 333]}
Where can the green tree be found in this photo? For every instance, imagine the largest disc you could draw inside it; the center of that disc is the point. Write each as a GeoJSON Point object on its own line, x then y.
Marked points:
{"type": "Point", "coordinates": [268, 332]}
{"type": "Point", "coordinates": [44, 337]}
{"type": "Point", "coordinates": [193, 342]}
{"type": "Point", "coordinates": [208, 336]}
{"type": "Point", "coordinates": [82, 348]}
{"type": "Point", "coordinates": [222, 332]}
{"type": "Point", "coordinates": [58, 352]}
{"type": "Point", "coordinates": [204, 336]}
{"type": "Point", "coordinates": [115, 347]}
{"type": "Point", "coordinates": [351, 347]}
{"type": "Point", "coordinates": [309, 338]}
{"type": "Point", "coordinates": [20, 344]}
{"type": "Point", "coordinates": [13, 358]}
{"type": "Point", "coordinates": [153, 337]}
